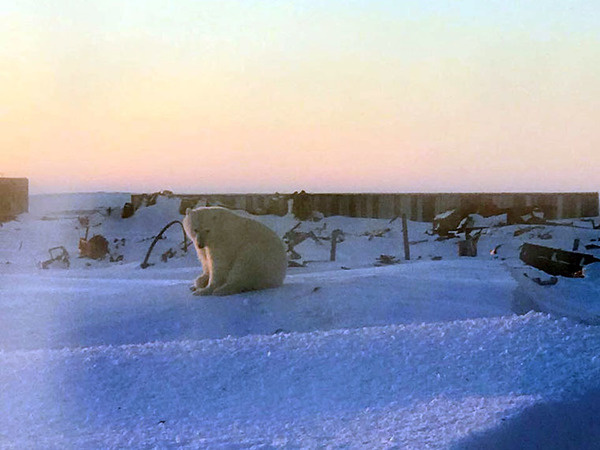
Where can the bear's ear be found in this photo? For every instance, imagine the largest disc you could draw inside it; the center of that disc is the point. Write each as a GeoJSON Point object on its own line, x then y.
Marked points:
{"type": "Point", "coordinates": [187, 211]}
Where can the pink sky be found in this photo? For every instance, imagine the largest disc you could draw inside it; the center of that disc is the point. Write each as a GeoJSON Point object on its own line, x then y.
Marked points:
{"type": "Point", "coordinates": [223, 97]}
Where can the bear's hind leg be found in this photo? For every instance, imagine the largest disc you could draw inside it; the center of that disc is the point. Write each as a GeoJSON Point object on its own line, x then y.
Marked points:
{"type": "Point", "coordinates": [246, 274]}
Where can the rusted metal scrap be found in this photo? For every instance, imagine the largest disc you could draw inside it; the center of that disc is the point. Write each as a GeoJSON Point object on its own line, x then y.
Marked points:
{"type": "Point", "coordinates": [170, 253]}
{"type": "Point", "coordinates": [95, 248]}
{"type": "Point", "coordinates": [386, 260]}
{"type": "Point", "coordinates": [555, 261]}
{"type": "Point", "coordinates": [145, 264]}
{"type": "Point", "coordinates": [376, 233]}
{"type": "Point", "coordinates": [293, 238]}
{"type": "Point", "coordinates": [84, 221]}
{"type": "Point", "coordinates": [58, 255]}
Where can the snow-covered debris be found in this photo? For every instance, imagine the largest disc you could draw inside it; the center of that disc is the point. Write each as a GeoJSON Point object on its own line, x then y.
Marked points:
{"type": "Point", "coordinates": [578, 298]}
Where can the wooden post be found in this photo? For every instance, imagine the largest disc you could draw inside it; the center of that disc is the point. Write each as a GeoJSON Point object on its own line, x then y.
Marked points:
{"type": "Point", "coordinates": [334, 240]}
{"type": "Point", "coordinates": [405, 237]}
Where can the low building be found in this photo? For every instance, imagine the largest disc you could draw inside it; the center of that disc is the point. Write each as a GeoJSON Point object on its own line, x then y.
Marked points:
{"type": "Point", "coordinates": [14, 197]}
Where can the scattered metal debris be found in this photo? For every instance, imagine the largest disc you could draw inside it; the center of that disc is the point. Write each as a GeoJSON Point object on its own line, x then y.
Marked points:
{"type": "Point", "coordinates": [168, 255]}
{"type": "Point", "coordinates": [386, 260]}
{"type": "Point", "coordinates": [555, 261]}
{"type": "Point", "coordinates": [376, 233]}
{"type": "Point", "coordinates": [520, 231]}
{"type": "Point", "coordinates": [95, 248]}
{"type": "Point", "coordinates": [593, 222]}
{"type": "Point", "coordinates": [296, 263]}
{"type": "Point", "coordinates": [116, 258]}
{"type": "Point", "coordinates": [454, 221]}
{"type": "Point", "coordinates": [128, 210]}
{"type": "Point", "coordinates": [145, 263]}
{"type": "Point", "coordinates": [292, 238]}
{"type": "Point", "coordinates": [58, 256]}
{"type": "Point", "coordinates": [446, 223]}
{"type": "Point", "coordinates": [84, 221]}
{"type": "Point", "coordinates": [119, 242]}
{"type": "Point", "coordinates": [548, 282]}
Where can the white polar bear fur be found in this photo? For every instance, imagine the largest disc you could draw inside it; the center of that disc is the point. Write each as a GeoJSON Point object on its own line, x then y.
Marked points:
{"type": "Point", "coordinates": [237, 253]}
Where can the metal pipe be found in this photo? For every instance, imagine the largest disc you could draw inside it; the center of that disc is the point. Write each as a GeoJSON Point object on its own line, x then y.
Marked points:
{"type": "Point", "coordinates": [158, 236]}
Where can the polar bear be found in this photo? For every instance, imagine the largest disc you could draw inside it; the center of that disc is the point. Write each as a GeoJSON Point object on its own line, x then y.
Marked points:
{"type": "Point", "coordinates": [237, 253]}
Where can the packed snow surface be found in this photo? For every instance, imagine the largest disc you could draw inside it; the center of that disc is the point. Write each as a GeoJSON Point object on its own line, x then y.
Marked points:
{"type": "Point", "coordinates": [426, 353]}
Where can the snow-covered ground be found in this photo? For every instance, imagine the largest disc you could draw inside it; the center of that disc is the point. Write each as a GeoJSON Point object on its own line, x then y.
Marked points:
{"type": "Point", "coordinates": [426, 353]}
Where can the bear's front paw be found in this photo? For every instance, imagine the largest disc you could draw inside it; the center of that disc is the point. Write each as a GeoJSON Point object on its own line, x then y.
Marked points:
{"type": "Point", "coordinates": [227, 289]}
{"type": "Point", "coordinates": [204, 291]}
{"type": "Point", "coordinates": [201, 282]}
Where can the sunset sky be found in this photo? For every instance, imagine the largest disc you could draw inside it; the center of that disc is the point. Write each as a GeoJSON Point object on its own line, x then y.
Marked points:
{"type": "Point", "coordinates": [263, 96]}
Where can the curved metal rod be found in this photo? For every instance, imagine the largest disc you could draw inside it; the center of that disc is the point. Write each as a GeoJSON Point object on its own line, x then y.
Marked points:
{"type": "Point", "coordinates": [158, 236]}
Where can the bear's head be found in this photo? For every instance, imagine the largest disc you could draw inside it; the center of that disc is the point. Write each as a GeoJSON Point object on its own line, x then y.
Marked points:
{"type": "Point", "coordinates": [203, 225]}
